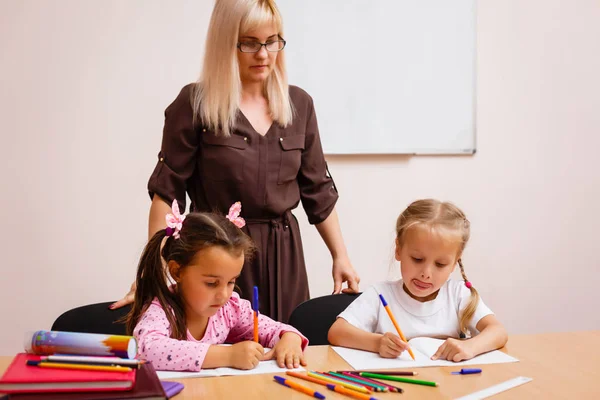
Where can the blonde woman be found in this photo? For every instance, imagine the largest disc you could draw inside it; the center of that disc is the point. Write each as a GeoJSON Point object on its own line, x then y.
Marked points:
{"type": "Point", "coordinates": [430, 239]}
{"type": "Point", "coordinates": [242, 134]}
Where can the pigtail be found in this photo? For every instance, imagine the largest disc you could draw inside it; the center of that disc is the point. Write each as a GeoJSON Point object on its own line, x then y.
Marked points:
{"type": "Point", "coordinates": [152, 282]}
{"type": "Point", "coordinates": [467, 313]}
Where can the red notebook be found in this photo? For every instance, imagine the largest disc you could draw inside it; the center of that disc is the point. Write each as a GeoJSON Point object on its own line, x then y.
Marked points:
{"type": "Point", "coordinates": [147, 387]}
{"type": "Point", "coordinates": [23, 378]}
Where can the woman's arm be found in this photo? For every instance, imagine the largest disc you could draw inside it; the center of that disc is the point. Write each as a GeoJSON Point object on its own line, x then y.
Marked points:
{"type": "Point", "coordinates": [158, 210]}
{"type": "Point", "coordinates": [342, 270]}
{"type": "Point", "coordinates": [156, 221]}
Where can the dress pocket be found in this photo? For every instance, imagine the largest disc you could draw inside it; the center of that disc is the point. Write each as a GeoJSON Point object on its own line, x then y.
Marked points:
{"type": "Point", "coordinates": [222, 158]}
{"type": "Point", "coordinates": [291, 157]}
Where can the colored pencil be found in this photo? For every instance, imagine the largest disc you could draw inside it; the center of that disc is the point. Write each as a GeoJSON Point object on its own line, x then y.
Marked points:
{"type": "Point", "coordinates": [391, 388]}
{"type": "Point", "coordinates": [357, 379]}
{"type": "Point", "coordinates": [358, 388]}
{"type": "Point", "coordinates": [351, 393]}
{"type": "Point", "coordinates": [389, 311]}
{"type": "Point", "coordinates": [93, 360]}
{"type": "Point", "coordinates": [296, 386]}
{"type": "Point", "coordinates": [383, 372]}
{"type": "Point", "coordinates": [255, 308]}
{"type": "Point", "coordinates": [307, 378]}
{"type": "Point", "coordinates": [467, 371]}
{"type": "Point", "coordinates": [398, 379]}
{"type": "Point", "coordinates": [105, 368]}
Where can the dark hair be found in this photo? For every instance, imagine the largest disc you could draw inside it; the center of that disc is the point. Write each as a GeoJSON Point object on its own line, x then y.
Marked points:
{"type": "Point", "coordinates": [199, 231]}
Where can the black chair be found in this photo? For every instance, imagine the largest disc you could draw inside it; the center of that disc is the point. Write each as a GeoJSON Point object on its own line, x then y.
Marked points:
{"type": "Point", "coordinates": [314, 317]}
{"type": "Point", "coordinates": [93, 318]}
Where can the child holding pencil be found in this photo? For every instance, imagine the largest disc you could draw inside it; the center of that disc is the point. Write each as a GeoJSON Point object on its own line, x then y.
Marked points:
{"type": "Point", "coordinates": [180, 327]}
{"type": "Point", "coordinates": [430, 239]}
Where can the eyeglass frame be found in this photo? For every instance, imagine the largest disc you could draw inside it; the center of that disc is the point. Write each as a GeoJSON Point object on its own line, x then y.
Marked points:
{"type": "Point", "coordinates": [239, 46]}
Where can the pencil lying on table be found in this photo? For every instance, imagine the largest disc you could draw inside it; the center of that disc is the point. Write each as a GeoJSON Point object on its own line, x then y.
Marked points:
{"type": "Point", "coordinates": [382, 372]}
{"type": "Point", "coordinates": [398, 379]}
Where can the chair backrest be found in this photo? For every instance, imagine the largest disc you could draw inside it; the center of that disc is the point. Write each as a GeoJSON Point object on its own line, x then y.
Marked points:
{"type": "Point", "coordinates": [314, 317]}
{"type": "Point", "coordinates": [93, 318]}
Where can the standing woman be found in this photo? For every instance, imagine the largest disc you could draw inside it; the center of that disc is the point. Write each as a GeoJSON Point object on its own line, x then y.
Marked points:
{"type": "Point", "coordinates": [242, 134]}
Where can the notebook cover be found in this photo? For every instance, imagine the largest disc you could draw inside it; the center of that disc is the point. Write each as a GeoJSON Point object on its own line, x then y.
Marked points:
{"type": "Point", "coordinates": [35, 379]}
{"type": "Point", "coordinates": [171, 388]}
{"type": "Point", "coordinates": [147, 387]}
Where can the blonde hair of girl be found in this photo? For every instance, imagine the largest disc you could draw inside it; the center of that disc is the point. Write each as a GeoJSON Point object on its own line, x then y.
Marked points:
{"type": "Point", "coordinates": [446, 218]}
{"type": "Point", "coordinates": [217, 93]}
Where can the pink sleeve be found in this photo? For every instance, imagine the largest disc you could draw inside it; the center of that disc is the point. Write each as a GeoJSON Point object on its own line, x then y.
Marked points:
{"type": "Point", "coordinates": [165, 353]}
{"type": "Point", "coordinates": [269, 331]}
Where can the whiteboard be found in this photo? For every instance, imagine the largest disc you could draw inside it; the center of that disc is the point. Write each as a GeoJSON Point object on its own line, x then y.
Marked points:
{"type": "Point", "coordinates": [387, 76]}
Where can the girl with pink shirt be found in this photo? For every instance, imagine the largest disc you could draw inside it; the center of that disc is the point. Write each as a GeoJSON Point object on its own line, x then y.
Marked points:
{"type": "Point", "coordinates": [180, 327]}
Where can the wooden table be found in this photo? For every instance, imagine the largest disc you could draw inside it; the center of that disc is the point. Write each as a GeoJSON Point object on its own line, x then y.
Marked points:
{"type": "Point", "coordinates": [562, 365]}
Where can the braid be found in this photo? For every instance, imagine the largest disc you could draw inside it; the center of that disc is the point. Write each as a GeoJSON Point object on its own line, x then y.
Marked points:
{"type": "Point", "coordinates": [468, 312]}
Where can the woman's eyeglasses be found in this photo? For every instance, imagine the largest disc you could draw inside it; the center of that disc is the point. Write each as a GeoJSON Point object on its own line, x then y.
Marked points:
{"type": "Point", "coordinates": [255, 46]}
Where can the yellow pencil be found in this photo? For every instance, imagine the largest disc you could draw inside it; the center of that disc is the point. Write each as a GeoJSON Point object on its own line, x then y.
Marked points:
{"type": "Point", "coordinates": [106, 368]}
{"type": "Point", "coordinates": [389, 311]}
{"type": "Point", "coordinates": [338, 382]}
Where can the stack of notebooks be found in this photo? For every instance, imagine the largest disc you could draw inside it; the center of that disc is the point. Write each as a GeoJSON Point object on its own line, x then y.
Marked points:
{"type": "Point", "coordinates": [87, 377]}
{"type": "Point", "coordinates": [29, 382]}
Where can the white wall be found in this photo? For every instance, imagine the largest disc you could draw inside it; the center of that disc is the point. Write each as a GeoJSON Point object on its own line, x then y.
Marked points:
{"type": "Point", "coordinates": [83, 85]}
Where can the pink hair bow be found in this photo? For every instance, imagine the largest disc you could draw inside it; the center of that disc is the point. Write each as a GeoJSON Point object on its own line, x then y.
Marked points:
{"type": "Point", "coordinates": [174, 221]}
{"type": "Point", "coordinates": [234, 215]}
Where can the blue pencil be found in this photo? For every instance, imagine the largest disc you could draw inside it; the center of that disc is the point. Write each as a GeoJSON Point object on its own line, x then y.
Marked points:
{"type": "Point", "coordinates": [255, 308]}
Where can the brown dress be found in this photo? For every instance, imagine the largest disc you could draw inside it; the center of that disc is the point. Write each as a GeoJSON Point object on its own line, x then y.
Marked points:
{"type": "Point", "coordinates": [269, 174]}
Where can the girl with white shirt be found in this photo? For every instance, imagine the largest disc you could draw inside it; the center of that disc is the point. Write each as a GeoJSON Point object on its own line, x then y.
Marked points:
{"type": "Point", "coordinates": [430, 239]}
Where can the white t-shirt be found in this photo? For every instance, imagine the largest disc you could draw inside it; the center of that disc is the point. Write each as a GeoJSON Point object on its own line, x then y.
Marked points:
{"type": "Point", "coordinates": [436, 318]}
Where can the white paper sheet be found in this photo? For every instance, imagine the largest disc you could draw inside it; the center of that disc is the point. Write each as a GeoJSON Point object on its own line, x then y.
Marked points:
{"type": "Point", "coordinates": [423, 348]}
{"type": "Point", "coordinates": [264, 367]}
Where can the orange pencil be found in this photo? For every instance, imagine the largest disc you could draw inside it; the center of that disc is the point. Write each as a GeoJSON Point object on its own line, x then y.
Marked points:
{"type": "Point", "coordinates": [255, 308]}
{"type": "Point", "coordinates": [389, 311]}
{"type": "Point", "coordinates": [351, 393]}
{"type": "Point", "coordinates": [356, 387]}
{"type": "Point", "coordinates": [298, 387]}
{"type": "Point", "coordinates": [307, 378]}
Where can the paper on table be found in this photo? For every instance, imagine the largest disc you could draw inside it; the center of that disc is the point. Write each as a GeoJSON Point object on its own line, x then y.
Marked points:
{"type": "Point", "coordinates": [423, 348]}
{"type": "Point", "coordinates": [263, 367]}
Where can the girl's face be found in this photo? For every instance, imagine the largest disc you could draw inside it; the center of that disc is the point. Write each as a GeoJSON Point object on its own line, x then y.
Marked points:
{"type": "Point", "coordinates": [207, 283]}
{"type": "Point", "coordinates": [427, 258]}
{"type": "Point", "coordinates": [256, 67]}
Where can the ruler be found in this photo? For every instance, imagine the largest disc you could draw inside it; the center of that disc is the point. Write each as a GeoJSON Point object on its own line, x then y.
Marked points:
{"type": "Point", "coordinates": [501, 387]}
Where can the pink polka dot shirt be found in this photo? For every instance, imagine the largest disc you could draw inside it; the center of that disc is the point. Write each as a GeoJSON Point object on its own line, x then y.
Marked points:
{"type": "Point", "coordinates": [233, 323]}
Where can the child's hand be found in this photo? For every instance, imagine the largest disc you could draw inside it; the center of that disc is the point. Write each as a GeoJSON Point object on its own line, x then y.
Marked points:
{"type": "Point", "coordinates": [391, 346]}
{"type": "Point", "coordinates": [454, 350]}
{"type": "Point", "coordinates": [245, 355]}
{"type": "Point", "coordinates": [288, 351]}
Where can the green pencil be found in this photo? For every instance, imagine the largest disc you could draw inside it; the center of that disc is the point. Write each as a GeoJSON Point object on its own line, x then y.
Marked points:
{"type": "Point", "coordinates": [398, 379]}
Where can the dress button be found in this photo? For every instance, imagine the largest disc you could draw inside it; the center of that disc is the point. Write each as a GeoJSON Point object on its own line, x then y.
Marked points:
{"type": "Point", "coordinates": [162, 159]}
{"type": "Point", "coordinates": [281, 139]}
{"type": "Point", "coordinates": [204, 130]}
{"type": "Point", "coordinates": [245, 139]}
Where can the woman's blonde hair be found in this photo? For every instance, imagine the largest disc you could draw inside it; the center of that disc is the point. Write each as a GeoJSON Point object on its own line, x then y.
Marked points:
{"type": "Point", "coordinates": [217, 95]}
{"type": "Point", "coordinates": [446, 218]}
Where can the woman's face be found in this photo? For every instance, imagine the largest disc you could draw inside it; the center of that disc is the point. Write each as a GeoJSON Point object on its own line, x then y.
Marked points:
{"type": "Point", "coordinates": [256, 67]}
